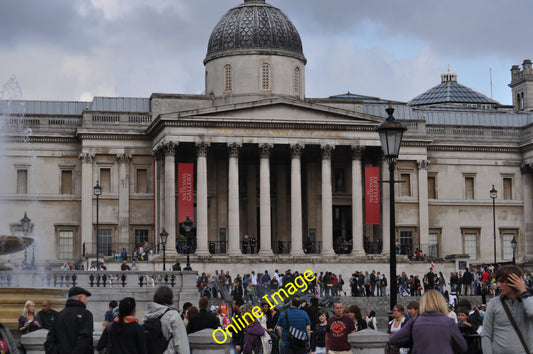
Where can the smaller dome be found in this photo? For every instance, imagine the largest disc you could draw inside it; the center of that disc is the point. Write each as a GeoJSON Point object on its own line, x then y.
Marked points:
{"type": "Point", "coordinates": [254, 27]}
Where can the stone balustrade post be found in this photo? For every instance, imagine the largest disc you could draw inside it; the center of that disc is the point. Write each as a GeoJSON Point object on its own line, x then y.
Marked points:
{"type": "Point", "coordinates": [369, 341]}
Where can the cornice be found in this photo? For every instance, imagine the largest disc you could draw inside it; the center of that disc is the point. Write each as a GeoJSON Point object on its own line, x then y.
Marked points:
{"type": "Point", "coordinates": [470, 148]}
{"type": "Point", "coordinates": [42, 139]}
{"type": "Point", "coordinates": [112, 136]}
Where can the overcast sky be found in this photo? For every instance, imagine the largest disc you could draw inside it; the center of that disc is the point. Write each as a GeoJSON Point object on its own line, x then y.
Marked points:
{"type": "Point", "coordinates": [76, 49]}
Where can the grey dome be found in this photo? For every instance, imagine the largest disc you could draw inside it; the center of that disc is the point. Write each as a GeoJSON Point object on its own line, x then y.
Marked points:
{"type": "Point", "coordinates": [254, 28]}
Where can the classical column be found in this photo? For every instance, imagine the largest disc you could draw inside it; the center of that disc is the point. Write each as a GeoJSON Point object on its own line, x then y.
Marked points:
{"type": "Point", "coordinates": [296, 200]}
{"type": "Point", "coordinates": [385, 193]}
{"type": "Point", "coordinates": [124, 200]}
{"type": "Point", "coordinates": [87, 195]}
{"type": "Point", "coordinates": [357, 204]}
{"type": "Point", "coordinates": [169, 149]}
{"type": "Point", "coordinates": [159, 193]}
{"type": "Point", "coordinates": [233, 200]}
{"type": "Point", "coordinates": [525, 243]}
{"type": "Point", "coordinates": [264, 200]}
{"type": "Point", "coordinates": [201, 199]}
{"type": "Point", "coordinates": [327, 202]}
{"type": "Point", "coordinates": [423, 207]}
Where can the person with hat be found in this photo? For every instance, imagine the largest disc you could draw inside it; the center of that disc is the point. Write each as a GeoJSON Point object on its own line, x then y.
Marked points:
{"type": "Point", "coordinates": [72, 330]}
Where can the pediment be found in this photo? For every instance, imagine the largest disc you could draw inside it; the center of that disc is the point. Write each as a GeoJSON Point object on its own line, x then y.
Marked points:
{"type": "Point", "coordinates": [277, 111]}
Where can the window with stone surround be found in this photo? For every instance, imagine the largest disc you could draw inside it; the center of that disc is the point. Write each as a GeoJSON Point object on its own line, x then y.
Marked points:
{"type": "Point", "coordinates": [471, 243]}
{"type": "Point", "coordinates": [507, 188]}
{"type": "Point", "coordinates": [432, 188]}
{"type": "Point", "coordinates": [228, 78]}
{"type": "Point", "coordinates": [66, 244]}
{"type": "Point", "coordinates": [22, 181]}
{"type": "Point", "coordinates": [507, 249]}
{"type": "Point", "coordinates": [105, 241]}
{"type": "Point", "coordinates": [105, 180]}
{"type": "Point", "coordinates": [405, 186]}
{"type": "Point", "coordinates": [66, 181]}
{"type": "Point", "coordinates": [297, 81]}
{"type": "Point", "coordinates": [265, 77]}
{"type": "Point", "coordinates": [469, 187]}
{"type": "Point", "coordinates": [141, 183]}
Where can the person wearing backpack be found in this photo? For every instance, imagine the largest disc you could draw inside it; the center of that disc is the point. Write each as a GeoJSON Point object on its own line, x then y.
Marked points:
{"type": "Point", "coordinates": [124, 335]}
{"type": "Point", "coordinates": [164, 328]}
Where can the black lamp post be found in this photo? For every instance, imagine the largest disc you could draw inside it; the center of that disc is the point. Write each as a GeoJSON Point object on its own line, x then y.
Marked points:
{"type": "Point", "coordinates": [513, 246]}
{"type": "Point", "coordinates": [26, 223]}
{"type": "Point", "coordinates": [164, 236]}
{"type": "Point", "coordinates": [391, 133]}
{"type": "Point", "coordinates": [187, 225]}
{"type": "Point", "coordinates": [97, 193]}
{"type": "Point", "coordinates": [494, 194]}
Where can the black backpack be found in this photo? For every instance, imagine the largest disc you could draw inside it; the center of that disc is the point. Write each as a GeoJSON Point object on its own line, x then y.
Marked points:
{"type": "Point", "coordinates": [156, 343]}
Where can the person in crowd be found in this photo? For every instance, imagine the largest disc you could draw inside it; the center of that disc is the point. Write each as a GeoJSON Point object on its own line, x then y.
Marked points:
{"type": "Point", "coordinates": [109, 315]}
{"type": "Point", "coordinates": [202, 319]}
{"type": "Point", "coordinates": [125, 266]}
{"type": "Point", "coordinates": [371, 320]}
{"type": "Point", "coordinates": [237, 337]}
{"type": "Point", "coordinates": [245, 243]}
{"type": "Point", "coordinates": [318, 336]}
{"type": "Point", "coordinates": [92, 267]}
{"type": "Point", "coordinates": [413, 309]}
{"type": "Point", "coordinates": [184, 309]}
{"type": "Point", "coordinates": [474, 317]}
{"type": "Point", "coordinates": [28, 321]}
{"type": "Point", "coordinates": [396, 324]}
{"type": "Point", "coordinates": [8, 344]}
{"type": "Point", "coordinates": [338, 328]}
{"type": "Point", "coordinates": [47, 315]}
{"type": "Point", "coordinates": [171, 323]}
{"type": "Point", "coordinates": [432, 331]}
{"type": "Point", "coordinates": [253, 243]}
{"type": "Point", "coordinates": [498, 335]}
{"type": "Point", "coordinates": [72, 330]}
{"type": "Point", "coordinates": [298, 319]}
{"type": "Point", "coordinates": [176, 267]}
{"type": "Point", "coordinates": [134, 266]}
{"type": "Point", "coordinates": [271, 315]}
{"type": "Point", "coordinates": [355, 314]}
{"type": "Point", "coordinates": [124, 335]}
{"type": "Point", "coordinates": [116, 256]}
{"type": "Point", "coordinates": [252, 333]}
{"type": "Point", "coordinates": [189, 313]}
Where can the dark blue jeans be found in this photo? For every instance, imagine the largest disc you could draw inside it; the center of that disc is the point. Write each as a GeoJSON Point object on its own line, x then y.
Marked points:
{"type": "Point", "coordinates": [290, 348]}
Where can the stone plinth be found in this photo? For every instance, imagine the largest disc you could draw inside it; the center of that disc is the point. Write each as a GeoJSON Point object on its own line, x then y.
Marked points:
{"type": "Point", "coordinates": [368, 341]}
{"type": "Point", "coordinates": [202, 342]}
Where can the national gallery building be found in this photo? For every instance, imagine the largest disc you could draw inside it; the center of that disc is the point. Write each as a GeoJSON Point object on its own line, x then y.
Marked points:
{"type": "Point", "coordinates": [255, 156]}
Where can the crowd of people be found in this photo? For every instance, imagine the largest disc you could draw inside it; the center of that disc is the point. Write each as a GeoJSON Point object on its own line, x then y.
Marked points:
{"type": "Point", "coordinates": [433, 325]}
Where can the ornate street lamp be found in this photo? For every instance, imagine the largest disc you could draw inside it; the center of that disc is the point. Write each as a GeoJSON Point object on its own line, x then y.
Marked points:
{"type": "Point", "coordinates": [163, 237]}
{"type": "Point", "coordinates": [513, 246]}
{"type": "Point", "coordinates": [391, 133]}
{"type": "Point", "coordinates": [494, 194]}
{"type": "Point", "coordinates": [187, 225]}
{"type": "Point", "coordinates": [97, 193]}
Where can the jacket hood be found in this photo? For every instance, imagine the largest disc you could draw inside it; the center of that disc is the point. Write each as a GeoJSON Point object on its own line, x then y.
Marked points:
{"type": "Point", "coordinates": [155, 310]}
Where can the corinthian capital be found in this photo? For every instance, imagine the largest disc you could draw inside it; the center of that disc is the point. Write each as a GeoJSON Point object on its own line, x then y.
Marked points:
{"type": "Point", "coordinates": [124, 158]}
{"type": "Point", "coordinates": [327, 151]}
{"type": "Point", "coordinates": [202, 149]}
{"type": "Point", "coordinates": [86, 157]}
{"type": "Point", "coordinates": [233, 149]}
{"type": "Point", "coordinates": [296, 151]}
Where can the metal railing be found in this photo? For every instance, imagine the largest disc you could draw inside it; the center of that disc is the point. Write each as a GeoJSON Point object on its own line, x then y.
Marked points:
{"type": "Point", "coordinates": [218, 247]}
{"type": "Point", "coordinates": [373, 247]}
{"type": "Point", "coordinates": [281, 247]}
{"type": "Point", "coordinates": [312, 247]}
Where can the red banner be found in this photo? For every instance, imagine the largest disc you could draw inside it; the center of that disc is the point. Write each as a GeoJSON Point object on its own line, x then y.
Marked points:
{"type": "Point", "coordinates": [372, 193]}
{"type": "Point", "coordinates": [185, 191]}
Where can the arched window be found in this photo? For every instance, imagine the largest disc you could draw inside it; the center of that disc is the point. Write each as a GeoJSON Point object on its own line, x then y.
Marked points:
{"type": "Point", "coordinates": [522, 102]}
{"type": "Point", "coordinates": [228, 84]}
{"type": "Point", "coordinates": [265, 77]}
{"type": "Point", "coordinates": [297, 81]}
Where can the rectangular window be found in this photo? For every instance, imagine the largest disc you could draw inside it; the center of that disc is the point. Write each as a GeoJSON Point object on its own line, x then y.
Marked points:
{"type": "Point", "coordinates": [406, 242]}
{"type": "Point", "coordinates": [340, 180]}
{"type": "Point", "coordinates": [66, 244]}
{"type": "Point", "coordinates": [105, 180]}
{"type": "Point", "coordinates": [66, 182]}
{"type": "Point", "coordinates": [432, 192]}
{"type": "Point", "coordinates": [470, 245]}
{"type": "Point", "coordinates": [141, 236]}
{"type": "Point", "coordinates": [469, 187]}
{"type": "Point", "coordinates": [507, 249]}
{"type": "Point", "coordinates": [105, 242]}
{"type": "Point", "coordinates": [433, 247]}
{"type": "Point", "coordinates": [22, 181]}
{"type": "Point", "coordinates": [405, 188]}
{"type": "Point", "coordinates": [142, 182]}
{"type": "Point", "coordinates": [265, 77]}
{"type": "Point", "coordinates": [507, 188]}
{"type": "Point", "coordinates": [227, 79]}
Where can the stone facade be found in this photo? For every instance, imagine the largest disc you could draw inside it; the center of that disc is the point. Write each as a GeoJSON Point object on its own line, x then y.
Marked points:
{"type": "Point", "coordinates": [273, 163]}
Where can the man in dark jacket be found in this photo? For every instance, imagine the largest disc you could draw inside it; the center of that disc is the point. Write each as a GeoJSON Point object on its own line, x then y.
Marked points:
{"type": "Point", "coordinates": [202, 319]}
{"type": "Point", "coordinates": [72, 330]}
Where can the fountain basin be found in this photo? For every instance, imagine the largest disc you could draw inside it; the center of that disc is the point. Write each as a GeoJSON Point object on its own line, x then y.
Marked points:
{"type": "Point", "coordinates": [12, 244]}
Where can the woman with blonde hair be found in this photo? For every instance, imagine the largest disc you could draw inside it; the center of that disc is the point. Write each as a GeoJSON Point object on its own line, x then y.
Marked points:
{"type": "Point", "coordinates": [432, 331]}
{"type": "Point", "coordinates": [27, 321]}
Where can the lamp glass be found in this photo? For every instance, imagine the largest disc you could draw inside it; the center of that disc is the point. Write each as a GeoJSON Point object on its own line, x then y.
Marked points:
{"type": "Point", "coordinates": [187, 224]}
{"type": "Point", "coordinates": [493, 193]}
{"type": "Point", "coordinates": [513, 243]}
{"type": "Point", "coordinates": [164, 236]}
{"type": "Point", "coordinates": [97, 189]}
